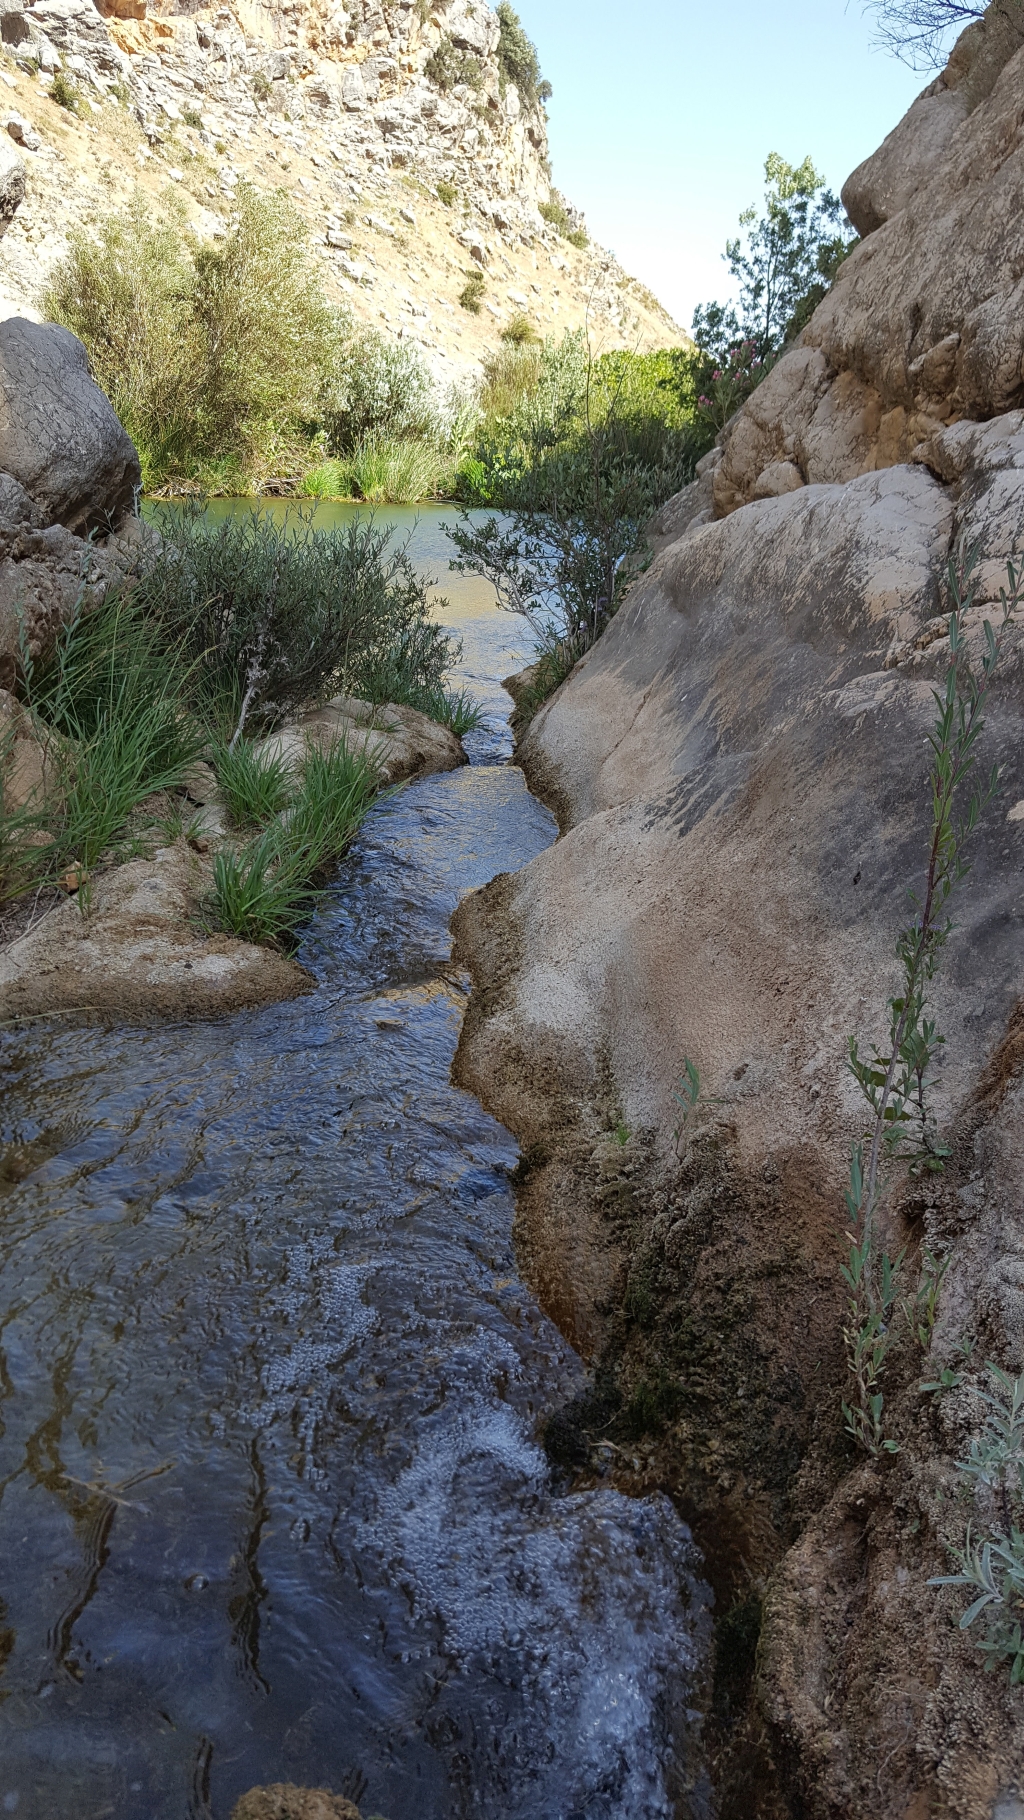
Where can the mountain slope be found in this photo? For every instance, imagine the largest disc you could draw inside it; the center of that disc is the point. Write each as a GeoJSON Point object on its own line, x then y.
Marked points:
{"type": "Point", "coordinates": [397, 130]}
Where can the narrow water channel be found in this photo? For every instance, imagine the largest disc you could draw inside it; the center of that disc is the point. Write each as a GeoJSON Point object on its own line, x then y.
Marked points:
{"type": "Point", "coordinates": [272, 1505]}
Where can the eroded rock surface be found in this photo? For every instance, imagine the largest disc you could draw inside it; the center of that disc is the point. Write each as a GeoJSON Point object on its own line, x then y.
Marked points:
{"type": "Point", "coordinates": [135, 949]}
{"type": "Point", "coordinates": [740, 768]}
{"type": "Point", "coordinates": [68, 480]}
{"type": "Point", "coordinates": [60, 438]}
{"type": "Point", "coordinates": [404, 742]}
{"type": "Point", "coordinates": [924, 323]}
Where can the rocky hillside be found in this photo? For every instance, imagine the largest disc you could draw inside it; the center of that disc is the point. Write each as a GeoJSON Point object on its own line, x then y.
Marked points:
{"type": "Point", "coordinates": [740, 767]}
{"type": "Point", "coordinates": [397, 129]}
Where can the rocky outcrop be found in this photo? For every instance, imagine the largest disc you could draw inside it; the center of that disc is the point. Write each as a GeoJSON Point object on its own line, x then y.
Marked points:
{"type": "Point", "coordinates": [135, 951]}
{"type": "Point", "coordinates": [923, 324]}
{"type": "Point", "coordinates": [403, 144]}
{"type": "Point", "coordinates": [740, 768]}
{"type": "Point", "coordinates": [68, 479]}
{"type": "Point", "coordinates": [401, 740]}
{"type": "Point", "coordinates": [60, 439]}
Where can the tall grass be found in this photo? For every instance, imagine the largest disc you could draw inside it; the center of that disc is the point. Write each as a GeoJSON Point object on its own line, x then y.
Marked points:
{"type": "Point", "coordinates": [109, 704]}
{"type": "Point", "coordinates": [255, 785]}
{"type": "Point", "coordinates": [264, 892]}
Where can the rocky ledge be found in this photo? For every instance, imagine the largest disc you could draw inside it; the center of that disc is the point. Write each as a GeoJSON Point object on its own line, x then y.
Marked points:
{"type": "Point", "coordinates": [740, 768]}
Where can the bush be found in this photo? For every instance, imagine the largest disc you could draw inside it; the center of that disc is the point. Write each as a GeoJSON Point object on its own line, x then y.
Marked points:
{"type": "Point", "coordinates": [518, 62]}
{"type": "Point", "coordinates": [379, 387]}
{"type": "Point", "coordinates": [578, 453]}
{"type": "Point", "coordinates": [64, 92]}
{"type": "Point", "coordinates": [447, 192]}
{"type": "Point", "coordinates": [568, 224]}
{"type": "Point", "coordinates": [520, 331]}
{"type": "Point", "coordinates": [472, 293]}
{"type": "Point", "coordinates": [211, 356]}
{"type": "Point", "coordinates": [510, 375]}
{"type": "Point", "coordinates": [446, 67]}
{"type": "Point", "coordinates": [274, 619]}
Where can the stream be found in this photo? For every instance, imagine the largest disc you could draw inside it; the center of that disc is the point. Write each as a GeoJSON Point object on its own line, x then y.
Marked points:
{"type": "Point", "coordinates": [272, 1502]}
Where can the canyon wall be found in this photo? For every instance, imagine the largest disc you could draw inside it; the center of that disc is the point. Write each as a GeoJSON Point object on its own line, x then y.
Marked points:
{"type": "Point", "coordinates": [408, 152]}
{"type": "Point", "coordinates": [740, 769]}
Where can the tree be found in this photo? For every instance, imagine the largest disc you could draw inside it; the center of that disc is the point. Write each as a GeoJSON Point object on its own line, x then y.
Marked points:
{"type": "Point", "coordinates": [783, 264]}
{"type": "Point", "coordinates": [918, 31]}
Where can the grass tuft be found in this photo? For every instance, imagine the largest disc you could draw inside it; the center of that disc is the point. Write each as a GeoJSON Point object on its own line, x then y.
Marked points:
{"type": "Point", "coordinates": [255, 785]}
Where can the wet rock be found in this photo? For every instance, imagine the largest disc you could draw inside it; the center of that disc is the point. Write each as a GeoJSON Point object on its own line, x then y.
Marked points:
{"type": "Point", "coordinates": [132, 947]}
{"type": "Point", "coordinates": [406, 742]}
{"type": "Point", "coordinates": [284, 1801]}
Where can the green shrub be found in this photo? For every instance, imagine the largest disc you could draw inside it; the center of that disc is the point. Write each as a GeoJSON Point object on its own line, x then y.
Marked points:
{"type": "Point", "coordinates": [518, 62]}
{"type": "Point", "coordinates": [379, 387]}
{"type": "Point", "coordinates": [262, 87]}
{"type": "Point", "coordinates": [556, 212]}
{"type": "Point", "coordinates": [471, 295]}
{"type": "Point", "coordinates": [64, 92]}
{"type": "Point", "coordinates": [255, 785]}
{"type": "Point", "coordinates": [275, 618]}
{"type": "Point", "coordinates": [192, 118]}
{"type": "Point", "coordinates": [209, 354]}
{"type": "Point", "coordinates": [519, 332]}
{"type": "Point", "coordinates": [447, 67]}
{"type": "Point", "coordinates": [447, 192]}
{"type": "Point", "coordinates": [511, 374]}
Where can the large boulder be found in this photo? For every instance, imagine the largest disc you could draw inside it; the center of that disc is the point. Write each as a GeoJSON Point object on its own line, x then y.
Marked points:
{"type": "Point", "coordinates": [924, 323]}
{"type": "Point", "coordinates": [59, 436]}
{"type": "Point", "coordinates": [740, 768]}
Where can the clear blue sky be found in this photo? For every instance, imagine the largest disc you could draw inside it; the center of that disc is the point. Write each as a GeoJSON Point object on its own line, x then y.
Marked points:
{"type": "Point", "coordinates": [664, 111]}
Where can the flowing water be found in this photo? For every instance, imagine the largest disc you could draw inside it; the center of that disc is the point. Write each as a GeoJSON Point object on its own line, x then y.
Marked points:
{"type": "Point", "coordinates": [272, 1505]}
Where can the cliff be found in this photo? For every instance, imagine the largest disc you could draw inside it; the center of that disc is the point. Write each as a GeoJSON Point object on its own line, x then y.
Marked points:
{"type": "Point", "coordinates": [740, 768]}
{"type": "Point", "coordinates": [405, 144]}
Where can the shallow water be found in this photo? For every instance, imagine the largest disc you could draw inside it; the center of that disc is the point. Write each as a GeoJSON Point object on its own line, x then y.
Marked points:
{"type": "Point", "coordinates": [272, 1506]}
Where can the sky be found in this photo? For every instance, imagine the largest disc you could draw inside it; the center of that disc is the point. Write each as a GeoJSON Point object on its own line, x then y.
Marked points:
{"type": "Point", "coordinates": [664, 111]}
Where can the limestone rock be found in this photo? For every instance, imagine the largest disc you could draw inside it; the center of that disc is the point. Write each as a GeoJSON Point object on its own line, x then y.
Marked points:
{"type": "Point", "coordinates": [59, 437]}
{"type": "Point", "coordinates": [134, 952]}
{"type": "Point", "coordinates": [284, 1801]}
{"type": "Point", "coordinates": [740, 772]}
{"type": "Point", "coordinates": [81, 39]}
{"type": "Point", "coordinates": [405, 742]}
{"type": "Point", "coordinates": [23, 769]}
{"type": "Point", "coordinates": [925, 322]}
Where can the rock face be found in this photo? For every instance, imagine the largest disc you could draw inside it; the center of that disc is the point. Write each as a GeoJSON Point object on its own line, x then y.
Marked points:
{"type": "Point", "coordinates": [740, 769]}
{"type": "Point", "coordinates": [411, 155]}
{"type": "Point", "coordinates": [59, 436]}
{"type": "Point", "coordinates": [924, 323]}
{"type": "Point", "coordinates": [68, 475]}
